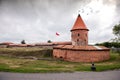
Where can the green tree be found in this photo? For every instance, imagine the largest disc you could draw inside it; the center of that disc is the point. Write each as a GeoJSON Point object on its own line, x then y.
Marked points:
{"type": "Point", "coordinates": [23, 42]}
{"type": "Point", "coordinates": [49, 41]}
{"type": "Point", "coordinates": [116, 32]}
{"type": "Point", "coordinates": [109, 44]}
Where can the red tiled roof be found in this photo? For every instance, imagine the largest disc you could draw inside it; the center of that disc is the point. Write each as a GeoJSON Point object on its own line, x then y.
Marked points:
{"type": "Point", "coordinates": [54, 43]}
{"type": "Point", "coordinates": [13, 44]}
{"type": "Point", "coordinates": [62, 43]}
{"type": "Point", "coordinates": [22, 45]}
{"type": "Point", "coordinates": [79, 24]}
{"type": "Point", "coordinates": [72, 47]}
{"type": "Point", "coordinates": [43, 44]}
{"type": "Point", "coordinates": [6, 43]}
{"type": "Point", "coordinates": [18, 45]}
{"type": "Point", "coordinates": [31, 45]}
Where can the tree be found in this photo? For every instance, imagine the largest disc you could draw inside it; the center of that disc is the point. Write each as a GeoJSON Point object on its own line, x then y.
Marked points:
{"type": "Point", "coordinates": [49, 41]}
{"type": "Point", "coordinates": [116, 32]}
{"type": "Point", "coordinates": [23, 42]}
{"type": "Point", "coordinates": [109, 44]}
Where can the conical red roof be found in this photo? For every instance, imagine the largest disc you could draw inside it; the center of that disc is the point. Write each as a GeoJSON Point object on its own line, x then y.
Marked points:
{"type": "Point", "coordinates": [79, 24]}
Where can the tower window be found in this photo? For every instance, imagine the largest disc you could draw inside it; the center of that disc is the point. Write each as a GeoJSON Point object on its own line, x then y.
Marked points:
{"type": "Point", "coordinates": [78, 34]}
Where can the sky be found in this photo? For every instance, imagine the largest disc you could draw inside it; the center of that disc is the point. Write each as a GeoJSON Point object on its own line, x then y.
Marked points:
{"type": "Point", "coordinates": [38, 20]}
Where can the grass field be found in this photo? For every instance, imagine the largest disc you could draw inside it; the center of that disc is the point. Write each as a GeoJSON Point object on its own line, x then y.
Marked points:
{"type": "Point", "coordinates": [14, 64]}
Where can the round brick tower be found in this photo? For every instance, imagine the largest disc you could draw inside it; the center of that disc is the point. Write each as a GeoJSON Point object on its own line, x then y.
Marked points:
{"type": "Point", "coordinates": [79, 33]}
{"type": "Point", "coordinates": [80, 51]}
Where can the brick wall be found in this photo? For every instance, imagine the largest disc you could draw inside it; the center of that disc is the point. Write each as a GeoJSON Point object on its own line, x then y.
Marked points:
{"type": "Point", "coordinates": [82, 56]}
{"type": "Point", "coordinates": [79, 37]}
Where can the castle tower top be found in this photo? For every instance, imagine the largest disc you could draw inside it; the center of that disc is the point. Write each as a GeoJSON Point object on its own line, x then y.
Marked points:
{"type": "Point", "coordinates": [79, 33]}
{"type": "Point", "coordinates": [79, 24]}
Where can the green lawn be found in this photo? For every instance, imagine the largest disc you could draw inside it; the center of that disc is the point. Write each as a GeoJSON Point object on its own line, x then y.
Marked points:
{"type": "Point", "coordinates": [14, 64]}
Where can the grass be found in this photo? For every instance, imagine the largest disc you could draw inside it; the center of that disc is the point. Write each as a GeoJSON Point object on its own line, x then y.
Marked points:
{"type": "Point", "coordinates": [14, 64]}
{"type": "Point", "coordinates": [28, 65]}
{"type": "Point", "coordinates": [23, 52]}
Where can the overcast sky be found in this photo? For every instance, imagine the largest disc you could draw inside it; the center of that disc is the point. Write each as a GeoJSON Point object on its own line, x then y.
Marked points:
{"type": "Point", "coordinates": [39, 20]}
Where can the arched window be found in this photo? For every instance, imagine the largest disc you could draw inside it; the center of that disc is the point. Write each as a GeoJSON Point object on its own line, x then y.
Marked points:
{"type": "Point", "coordinates": [78, 34]}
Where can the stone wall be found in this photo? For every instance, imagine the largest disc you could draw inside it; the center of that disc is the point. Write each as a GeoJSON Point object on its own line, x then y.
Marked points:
{"type": "Point", "coordinates": [82, 56]}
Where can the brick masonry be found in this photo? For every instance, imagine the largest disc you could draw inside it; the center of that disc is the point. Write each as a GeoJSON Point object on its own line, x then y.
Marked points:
{"type": "Point", "coordinates": [79, 37]}
{"type": "Point", "coordinates": [81, 55]}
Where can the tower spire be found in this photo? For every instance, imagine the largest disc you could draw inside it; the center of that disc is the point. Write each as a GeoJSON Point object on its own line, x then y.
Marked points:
{"type": "Point", "coordinates": [79, 24]}
{"type": "Point", "coordinates": [79, 32]}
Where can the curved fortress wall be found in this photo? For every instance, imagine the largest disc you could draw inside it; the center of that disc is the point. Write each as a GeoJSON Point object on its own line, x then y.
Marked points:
{"type": "Point", "coordinates": [79, 55]}
{"type": "Point", "coordinates": [80, 51]}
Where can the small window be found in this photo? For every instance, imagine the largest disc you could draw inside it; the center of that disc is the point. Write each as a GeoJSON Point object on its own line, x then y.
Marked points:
{"type": "Point", "coordinates": [61, 57]}
{"type": "Point", "coordinates": [77, 40]}
{"type": "Point", "coordinates": [78, 34]}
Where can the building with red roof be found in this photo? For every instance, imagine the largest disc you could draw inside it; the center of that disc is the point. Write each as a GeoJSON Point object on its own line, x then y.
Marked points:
{"type": "Point", "coordinates": [79, 32]}
{"type": "Point", "coordinates": [80, 51]}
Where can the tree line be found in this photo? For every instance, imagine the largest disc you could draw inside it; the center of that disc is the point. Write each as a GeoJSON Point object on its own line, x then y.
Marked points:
{"type": "Point", "coordinates": [109, 44]}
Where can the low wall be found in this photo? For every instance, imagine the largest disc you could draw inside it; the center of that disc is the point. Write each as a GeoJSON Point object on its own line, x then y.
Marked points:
{"type": "Point", "coordinates": [82, 56]}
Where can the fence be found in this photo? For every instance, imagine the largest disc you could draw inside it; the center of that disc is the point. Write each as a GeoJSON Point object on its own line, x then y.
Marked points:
{"type": "Point", "coordinates": [115, 50]}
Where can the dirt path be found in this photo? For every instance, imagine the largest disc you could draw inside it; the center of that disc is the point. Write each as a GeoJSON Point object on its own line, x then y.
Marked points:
{"type": "Point", "coordinates": [107, 75]}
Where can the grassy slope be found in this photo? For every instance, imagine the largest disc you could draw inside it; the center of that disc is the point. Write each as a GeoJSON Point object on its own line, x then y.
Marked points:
{"type": "Point", "coordinates": [9, 64]}
{"type": "Point", "coordinates": [23, 52]}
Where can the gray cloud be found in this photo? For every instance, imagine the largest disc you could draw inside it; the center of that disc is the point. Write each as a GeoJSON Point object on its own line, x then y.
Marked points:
{"type": "Point", "coordinates": [117, 5]}
{"type": "Point", "coordinates": [39, 20]}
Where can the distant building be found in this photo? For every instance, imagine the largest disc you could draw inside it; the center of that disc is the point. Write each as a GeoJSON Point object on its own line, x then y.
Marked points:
{"type": "Point", "coordinates": [39, 45]}
{"type": "Point", "coordinates": [80, 51]}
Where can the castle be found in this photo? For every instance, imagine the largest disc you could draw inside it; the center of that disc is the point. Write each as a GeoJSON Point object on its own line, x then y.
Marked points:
{"type": "Point", "coordinates": [80, 51]}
